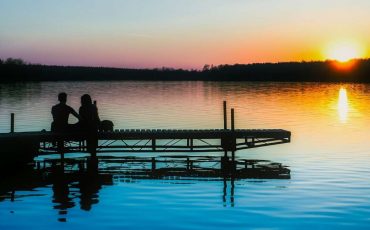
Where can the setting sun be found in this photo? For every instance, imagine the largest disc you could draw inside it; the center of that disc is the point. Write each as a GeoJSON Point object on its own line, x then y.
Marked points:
{"type": "Point", "coordinates": [344, 52]}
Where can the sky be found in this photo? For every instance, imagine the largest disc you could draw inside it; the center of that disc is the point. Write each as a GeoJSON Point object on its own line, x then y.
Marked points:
{"type": "Point", "coordinates": [180, 33]}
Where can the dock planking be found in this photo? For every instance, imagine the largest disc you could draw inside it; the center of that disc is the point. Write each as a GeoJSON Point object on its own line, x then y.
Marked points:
{"type": "Point", "coordinates": [156, 140]}
{"type": "Point", "coordinates": [156, 133]}
{"type": "Point", "coordinates": [27, 145]}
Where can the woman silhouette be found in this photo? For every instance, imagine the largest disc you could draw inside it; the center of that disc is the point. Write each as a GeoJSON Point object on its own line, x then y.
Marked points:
{"type": "Point", "coordinates": [89, 118]}
{"type": "Point", "coordinates": [89, 123]}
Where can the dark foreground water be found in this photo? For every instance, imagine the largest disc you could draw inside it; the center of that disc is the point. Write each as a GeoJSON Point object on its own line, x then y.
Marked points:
{"type": "Point", "coordinates": [329, 158]}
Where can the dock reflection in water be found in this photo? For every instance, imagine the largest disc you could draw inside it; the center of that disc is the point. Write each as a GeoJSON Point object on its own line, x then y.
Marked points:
{"type": "Point", "coordinates": [78, 181]}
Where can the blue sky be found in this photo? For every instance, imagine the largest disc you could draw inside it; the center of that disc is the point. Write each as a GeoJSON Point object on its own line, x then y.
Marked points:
{"type": "Point", "coordinates": [181, 33]}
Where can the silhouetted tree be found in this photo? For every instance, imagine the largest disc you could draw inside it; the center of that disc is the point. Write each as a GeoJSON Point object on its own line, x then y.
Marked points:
{"type": "Point", "coordinates": [1, 62]}
{"type": "Point", "coordinates": [206, 67]}
{"type": "Point", "coordinates": [14, 61]}
{"type": "Point", "coordinates": [318, 71]}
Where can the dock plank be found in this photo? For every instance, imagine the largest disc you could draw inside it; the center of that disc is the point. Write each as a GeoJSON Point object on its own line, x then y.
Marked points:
{"type": "Point", "coordinates": [157, 133]}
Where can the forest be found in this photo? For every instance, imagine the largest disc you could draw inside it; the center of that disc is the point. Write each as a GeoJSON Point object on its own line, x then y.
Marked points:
{"type": "Point", "coordinates": [17, 70]}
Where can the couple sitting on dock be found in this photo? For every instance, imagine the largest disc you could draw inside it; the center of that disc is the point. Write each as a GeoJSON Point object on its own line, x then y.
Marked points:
{"type": "Point", "coordinates": [88, 116]}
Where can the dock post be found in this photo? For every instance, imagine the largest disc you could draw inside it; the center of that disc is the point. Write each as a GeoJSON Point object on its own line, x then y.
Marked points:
{"type": "Point", "coordinates": [60, 146]}
{"type": "Point", "coordinates": [92, 143]}
{"type": "Point", "coordinates": [233, 165]}
{"type": "Point", "coordinates": [12, 122]}
{"type": "Point", "coordinates": [153, 144]}
{"type": "Point", "coordinates": [233, 162]}
{"type": "Point", "coordinates": [225, 165]}
{"type": "Point", "coordinates": [225, 123]}
{"type": "Point", "coordinates": [225, 116]}
{"type": "Point", "coordinates": [62, 161]}
{"type": "Point", "coordinates": [232, 120]}
{"type": "Point", "coordinates": [153, 164]}
{"type": "Point", "coordinates": [79, 167]}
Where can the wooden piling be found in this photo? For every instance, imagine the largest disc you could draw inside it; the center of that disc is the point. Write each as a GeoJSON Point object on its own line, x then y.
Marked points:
{"type": "Point", "coordinates": [153, 164]}
{"type": "Point", "coordinates": [62, 161]}
{"type": "Point", "coordinates": [225, 122]}
{"type": "Point", "coordinates": [225, 164]}
{"type": "Point", "coordinates": [153, 145]}
{"type": "Point", "coordinates": [81, 166]}
{"type": "Point", "coordinates": [12, 122]}
{"type": "Point", "coordinates": [232, 120]}
{"type": "Point", "coordinates": [233, 152]}
{"type": "Point", "coordinates": [225, 115]}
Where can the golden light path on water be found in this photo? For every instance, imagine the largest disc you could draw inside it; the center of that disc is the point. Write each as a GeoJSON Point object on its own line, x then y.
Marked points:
{"type": "Point", "coordinates": [343, 105]}
{"type": "Point", "coordinates": [328, 155]}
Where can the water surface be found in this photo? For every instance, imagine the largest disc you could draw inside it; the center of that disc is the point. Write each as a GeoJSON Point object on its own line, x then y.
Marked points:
{"type": "Point", "coordinates": [329, 157]}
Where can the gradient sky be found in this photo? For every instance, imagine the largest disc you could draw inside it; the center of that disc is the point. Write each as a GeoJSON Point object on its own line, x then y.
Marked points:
{"type": "Point", "coordinates": [178, 33]}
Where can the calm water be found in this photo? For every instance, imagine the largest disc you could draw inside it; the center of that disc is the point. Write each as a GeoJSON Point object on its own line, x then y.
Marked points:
{"type": "Point", "coordinates": [329, 157]}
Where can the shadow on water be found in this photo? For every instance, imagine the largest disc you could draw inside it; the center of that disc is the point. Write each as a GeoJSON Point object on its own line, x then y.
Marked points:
{"type": "Point", "coordinates": [80, 179]}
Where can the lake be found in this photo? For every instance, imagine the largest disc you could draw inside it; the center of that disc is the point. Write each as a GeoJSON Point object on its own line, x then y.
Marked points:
{"type": "Point", "coordinates": [329, 157]}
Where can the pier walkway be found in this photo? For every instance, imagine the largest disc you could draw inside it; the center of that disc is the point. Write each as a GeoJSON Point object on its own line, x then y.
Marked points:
{"type": "Point", "coordinates": [32, 144]}
{"type": "Point", "coordinates": [157, 140]}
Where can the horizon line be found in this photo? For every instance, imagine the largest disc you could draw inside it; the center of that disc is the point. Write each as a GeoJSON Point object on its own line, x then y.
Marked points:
{"type": "Point", "coordinates": [186, 69]}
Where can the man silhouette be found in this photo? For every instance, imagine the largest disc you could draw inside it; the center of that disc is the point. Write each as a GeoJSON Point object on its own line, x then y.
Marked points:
{"type": "Point", "coordinates": [61, 113]}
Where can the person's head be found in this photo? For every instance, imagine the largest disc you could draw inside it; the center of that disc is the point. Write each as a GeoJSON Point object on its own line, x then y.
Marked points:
{"type": "Point", "coordinates": [62, 97]}
{"type": "Point", "coordinates": [86, 100]}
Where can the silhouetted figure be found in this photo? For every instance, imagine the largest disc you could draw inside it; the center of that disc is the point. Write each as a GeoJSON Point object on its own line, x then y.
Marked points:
{"type": "Point", "coordinates": [61, 113]}
{"type": "Point", "coordinates": [90, 184]}
{"type": "Point", "coordinates": [88, 112]}
{"type": "Point", "coordinates": [89, 122]}
{"type": "Point", "coordinates": [61, 194]}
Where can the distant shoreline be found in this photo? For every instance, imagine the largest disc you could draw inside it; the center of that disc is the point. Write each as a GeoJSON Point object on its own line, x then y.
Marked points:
{"type": "Point", "coordinates": [317, 71]}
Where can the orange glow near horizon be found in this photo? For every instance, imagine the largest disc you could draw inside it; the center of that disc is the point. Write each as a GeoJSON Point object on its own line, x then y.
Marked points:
{"type": "Point", "coordinates": [344, 54]}
{"type": "Point", "coordinates": [344, 66]}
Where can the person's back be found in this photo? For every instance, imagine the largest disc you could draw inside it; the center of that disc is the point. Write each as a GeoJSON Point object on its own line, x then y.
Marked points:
{"type": "Point", "coordinates": [61, 113]}
{"type": "Point", "coordinates": [88, 112]}
{"type": "Point", "coordinates": [89, 116]}
{"type": "Point", "coordinates": [89, 122]}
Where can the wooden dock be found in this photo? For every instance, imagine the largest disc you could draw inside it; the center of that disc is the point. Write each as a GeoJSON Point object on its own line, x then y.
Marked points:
{"type": "Point", "coordinates": [157, 140]}
{"type": "Point", "coordinates": [225, 140]}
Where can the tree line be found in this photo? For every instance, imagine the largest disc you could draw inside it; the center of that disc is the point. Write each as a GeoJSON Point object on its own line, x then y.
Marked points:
{"type": "Point", "coordinates": [12, 70]}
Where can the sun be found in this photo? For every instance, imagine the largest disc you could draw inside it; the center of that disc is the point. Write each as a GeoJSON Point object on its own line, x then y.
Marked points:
{"type": "Point", "coordinates": [344, 51]}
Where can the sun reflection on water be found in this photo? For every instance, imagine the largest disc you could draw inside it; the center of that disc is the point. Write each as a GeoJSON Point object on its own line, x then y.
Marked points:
{"type": "Point", "coordinates": [343, 105]}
